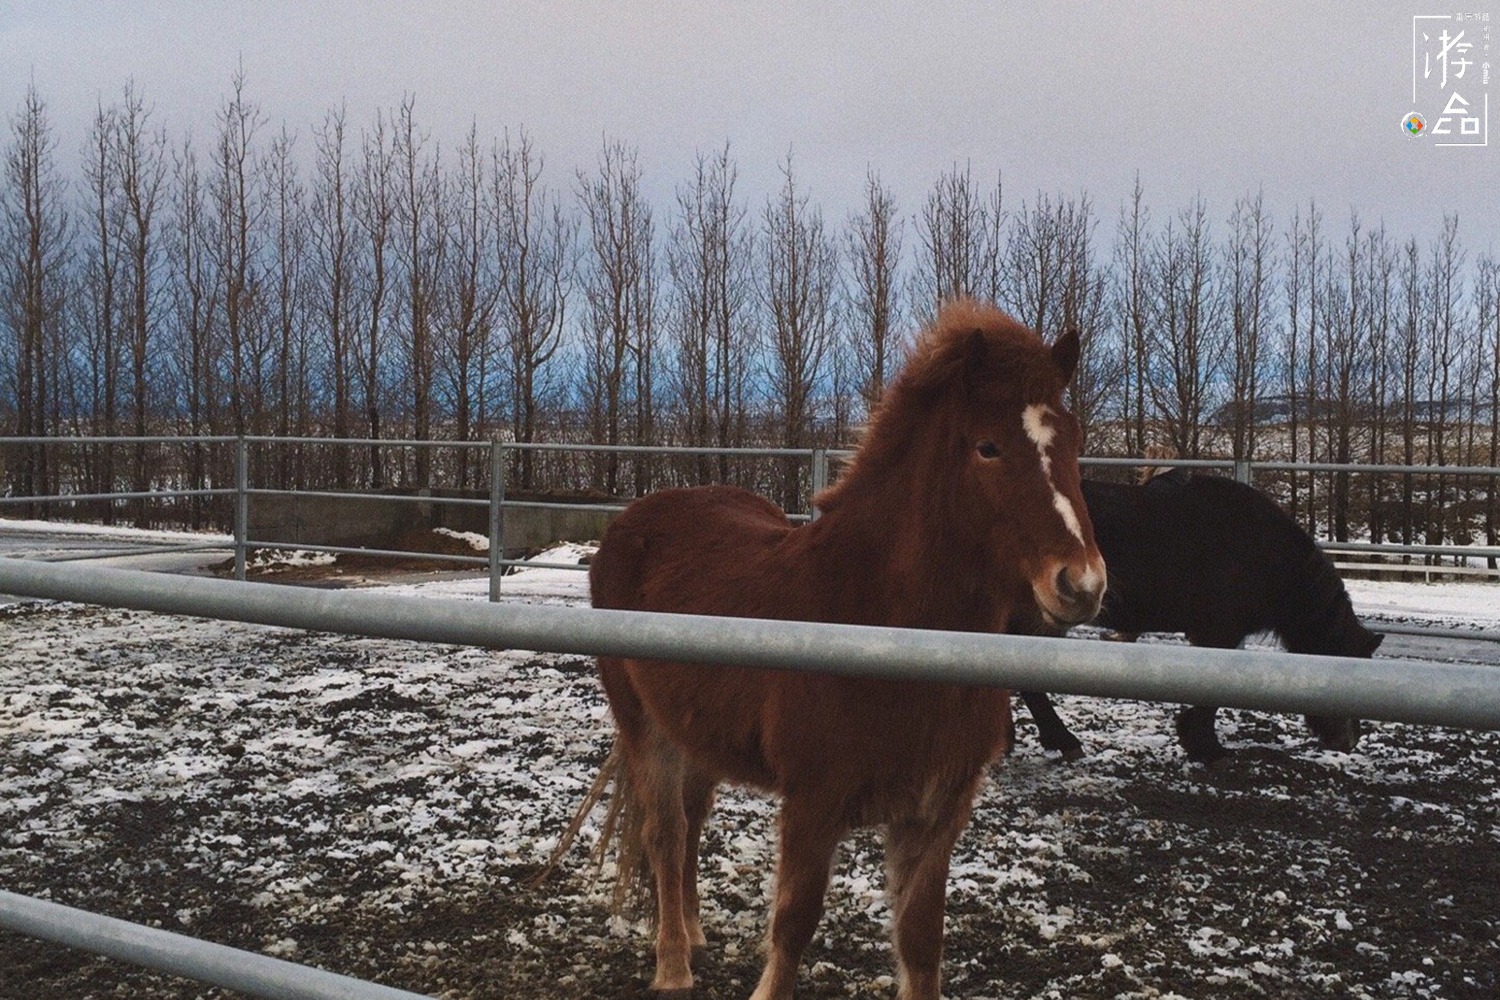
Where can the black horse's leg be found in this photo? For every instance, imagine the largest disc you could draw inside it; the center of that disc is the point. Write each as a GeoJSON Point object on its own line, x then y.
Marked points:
{"type": "Point", "coordinates": [1195, 731]}
{"type": "Point", "coordinates": [1049, 728]}
{"type": "Point", "coordinates": [1195, 725]}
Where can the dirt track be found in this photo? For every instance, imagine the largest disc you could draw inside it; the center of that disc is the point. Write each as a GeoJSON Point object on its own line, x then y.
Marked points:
{"type": "Point", "coordinates": [371, 807]}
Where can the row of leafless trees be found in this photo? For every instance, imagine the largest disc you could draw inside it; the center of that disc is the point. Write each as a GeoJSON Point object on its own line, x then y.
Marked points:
{"type": "Point", "coordinates": [362, 280]}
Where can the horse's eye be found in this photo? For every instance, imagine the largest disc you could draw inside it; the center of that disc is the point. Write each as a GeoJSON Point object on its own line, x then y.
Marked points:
{"type": "Point", "coordinates": [987, 449]}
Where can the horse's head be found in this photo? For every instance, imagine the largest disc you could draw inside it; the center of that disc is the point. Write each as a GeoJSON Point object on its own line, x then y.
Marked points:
{"type": "Point", "coordinates": [1013, 454]}
{"type": "Point", "coordinates": [1343, 734]}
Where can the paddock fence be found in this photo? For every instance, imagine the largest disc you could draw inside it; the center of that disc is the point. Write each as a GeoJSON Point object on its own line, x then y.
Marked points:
{"type": "Point", "coordinates": [234, 486]}
{"type": "Point", "coordinates": [1411, 691]}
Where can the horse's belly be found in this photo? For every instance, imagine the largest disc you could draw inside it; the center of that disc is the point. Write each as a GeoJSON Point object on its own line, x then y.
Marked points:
{"type": "Point", "coordinates": [883, 749]}
{"type": "Point", "coordinates": [712, 713]}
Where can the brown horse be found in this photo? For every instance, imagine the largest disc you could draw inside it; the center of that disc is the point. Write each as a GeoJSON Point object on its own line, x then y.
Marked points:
{"type": "Point", "coordinates": [961, 504]}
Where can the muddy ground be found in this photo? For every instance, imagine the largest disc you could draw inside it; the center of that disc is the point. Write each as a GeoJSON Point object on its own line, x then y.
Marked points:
{"type": "Point", "coordinates": [375, 807]}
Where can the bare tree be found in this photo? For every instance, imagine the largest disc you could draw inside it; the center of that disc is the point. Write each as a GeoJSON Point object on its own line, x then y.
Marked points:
{"type": "Point", "coordinates": [332, 248]}
{"type": "Point", "coordinates": [467, 297]}
{"type": "Point", "coordinates": [535, 249]}
{"type": "Point", "coordinates": [141, 168]}
{"type": "Point", "coordinates": [799, 272]}
{"type": "Point", "coordinates": [237, 214]}
{"type": "Point", "coordinates": [709, 258]}
{"type": "Point", "coordinates": [287, 246]}
{"type": "Point", "coordinates": [1134, 298]}
{"type": "Point", "coordinates": [1346, 337]}
{"type": "Point", "coordinates": [1053, 282]}
{"type": "Point", "coordinates": [619, 281]}
{"type": "Point", "coordinates": [1248, 266]}
{"type": "Point", "coordinates": [419, 214]}
{"type": "Point", "coordinates": [958, 232]}
{"type": "Point", "coordinates": [195, 306]}
{"type": "Point", "coordinates": [1445, 338]}
{"type": "Point", "coordinates": [1380, 270]}
{"type": "Point", "coordinates": [1487, 302]}
{"type": "Point", "coordinates": [1414, 303]}
{"type": "Point", "coordinates": [873, 250]}
{"type": "Point", "coordinates": [375, 216]}
{"type": "Point", "coordinates": [1189, 337]}
{"type": "Point", "coordinates": [1304, 245]}
{"type": "Point", "coordinates": [33, 255]}
{"type": "Point", "coordinates": [102, 255]}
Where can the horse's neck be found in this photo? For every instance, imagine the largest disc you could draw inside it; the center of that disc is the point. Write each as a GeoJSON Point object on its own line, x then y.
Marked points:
{"type": "Point", "coordinates": [903, 561]}
{"type": "Point", "coordinates": [1317, 616]}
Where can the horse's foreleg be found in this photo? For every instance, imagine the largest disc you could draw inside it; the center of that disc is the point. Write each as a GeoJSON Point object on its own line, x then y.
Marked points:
{"type": "Point", "coordinates": [809, 837]}
{"type": "Point", "coordinates": [917, 854]}
{"type": "Point", "coordinates": [1195, 731]}
{"type": "Point", "coordinates": [658, 773]}
{"type": "Point", "coordinates": [1049, 728]}
{"type": "Point", "coordinates": [697, 800]}
{"type": "Point", "coordinates": [1195, 725]}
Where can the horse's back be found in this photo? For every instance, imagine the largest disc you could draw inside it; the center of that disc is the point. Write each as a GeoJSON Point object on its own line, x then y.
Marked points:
{"type": "Point", "coordinates": [686, 550]}
{"type": "Point", "coordinates": [708, 550]}
{"type": "Point", "coordinates": [1194, 553]}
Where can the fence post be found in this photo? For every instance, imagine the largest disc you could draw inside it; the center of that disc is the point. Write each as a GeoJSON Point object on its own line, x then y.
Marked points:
{"type": "Point", "coordinates": [819, 479]}
{"type": "Point", "coordinates": [1243, 473]}
{"type": "Point", "coordinates": [497, 516]}
{"type": "Point", "coordinates": [241, 504]}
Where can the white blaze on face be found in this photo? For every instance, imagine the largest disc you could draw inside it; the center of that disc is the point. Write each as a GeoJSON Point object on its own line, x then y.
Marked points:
{"type": "Point", "coordinates": [1034, 419]}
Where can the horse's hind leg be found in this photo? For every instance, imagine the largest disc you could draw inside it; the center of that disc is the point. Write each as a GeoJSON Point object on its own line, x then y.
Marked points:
{"type": "Point", "coordinates": [697, 800]}
{"type": "Point", "coordinates": [809, 837]}
{"type": "Point", "coordinates": [917, 854]}
{"type": "Point", "coordinates": [657, 774]}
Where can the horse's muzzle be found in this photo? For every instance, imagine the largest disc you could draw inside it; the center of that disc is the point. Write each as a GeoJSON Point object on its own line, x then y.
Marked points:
{"type": "Point", "coordinates": [1072, 595]}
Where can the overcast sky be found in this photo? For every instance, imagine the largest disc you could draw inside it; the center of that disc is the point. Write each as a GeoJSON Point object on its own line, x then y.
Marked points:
{"type": "Point", "coordinates": [1302, 100]}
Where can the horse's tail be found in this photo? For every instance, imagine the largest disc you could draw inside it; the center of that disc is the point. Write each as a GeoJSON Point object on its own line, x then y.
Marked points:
{"type": "Point", "coordinates": [622, 830]}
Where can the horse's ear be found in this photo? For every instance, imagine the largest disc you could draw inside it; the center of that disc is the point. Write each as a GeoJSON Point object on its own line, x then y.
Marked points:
{"type": "Point", "coordinates": [1065, 353]}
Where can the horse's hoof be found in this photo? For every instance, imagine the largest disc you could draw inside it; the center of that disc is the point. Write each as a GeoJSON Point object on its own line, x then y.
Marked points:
{"type": "Point", "coordinates": [1214, 760]}
{"type": "Point", "coordinates": [1067, 744]}
{"type": "Point", "coordinates": [699, 957]}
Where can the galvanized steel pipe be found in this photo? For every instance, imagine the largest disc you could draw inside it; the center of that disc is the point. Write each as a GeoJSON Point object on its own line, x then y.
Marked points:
{"type": "Point", "coordinates": [1396, 690]}
{"type": "Point", "coordinates": [179, 955]}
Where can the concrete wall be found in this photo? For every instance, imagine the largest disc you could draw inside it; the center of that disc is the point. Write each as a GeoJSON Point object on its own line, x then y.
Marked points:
{"type": "Point", "coordinates": [375, 521]}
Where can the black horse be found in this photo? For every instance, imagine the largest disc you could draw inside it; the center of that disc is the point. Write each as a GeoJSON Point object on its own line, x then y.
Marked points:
{"type": "Point", "coordinates": [1218, 561]}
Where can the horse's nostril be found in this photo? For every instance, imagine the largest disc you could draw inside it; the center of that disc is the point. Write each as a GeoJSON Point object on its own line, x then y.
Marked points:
{"type": "Point", "coordinates": [1064, 588]}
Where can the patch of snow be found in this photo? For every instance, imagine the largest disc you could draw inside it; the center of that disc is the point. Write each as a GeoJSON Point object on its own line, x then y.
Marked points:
{"type": "Point", "coordinates": [476, 541]}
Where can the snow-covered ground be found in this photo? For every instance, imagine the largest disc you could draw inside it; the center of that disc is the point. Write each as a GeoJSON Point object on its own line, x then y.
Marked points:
{"type": "Point", "coordinates": [375, 807]}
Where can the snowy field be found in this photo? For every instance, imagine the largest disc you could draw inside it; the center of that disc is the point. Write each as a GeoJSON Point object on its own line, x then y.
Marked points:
{"type": "Point", "coordinates": [375, 807]}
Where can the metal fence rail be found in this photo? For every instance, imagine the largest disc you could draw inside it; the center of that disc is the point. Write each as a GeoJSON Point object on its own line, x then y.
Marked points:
{"type": "Point", "coordinates": [1396, 690]}
{"type": "Point", "coordinates": [243, 489]}
{"type": "Point", "coordinates": [179, 955]}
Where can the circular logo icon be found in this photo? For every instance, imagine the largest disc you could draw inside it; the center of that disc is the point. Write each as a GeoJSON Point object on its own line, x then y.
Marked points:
{"type": "Point", "coordinates": [1414, 125]}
